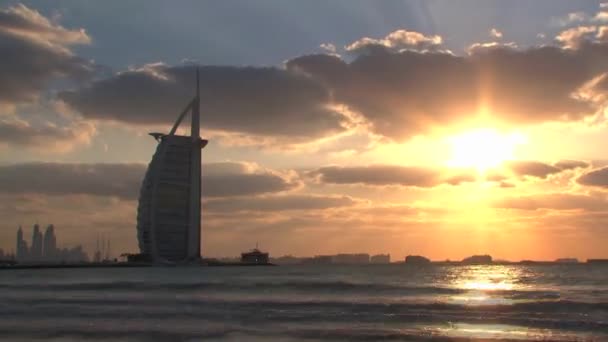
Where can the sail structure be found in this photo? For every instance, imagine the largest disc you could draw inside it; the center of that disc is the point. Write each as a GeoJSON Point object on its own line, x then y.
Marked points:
{"type": "Point", "coordinates": [169, 211]}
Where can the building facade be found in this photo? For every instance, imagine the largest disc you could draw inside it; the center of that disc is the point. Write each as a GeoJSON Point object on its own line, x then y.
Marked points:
{"type": "Point", "coordinates": [22, 249]}
{"type": "Point", "coordinates": [49, 245]}
{"type": "Point", "coordinates": [169, 211]}
{"type": "Point", "coordinates": [36, 249]}
{"type": "Point", "coordinates": [380, 259]}
{"type": "Point", "coordinates": [255, 256]}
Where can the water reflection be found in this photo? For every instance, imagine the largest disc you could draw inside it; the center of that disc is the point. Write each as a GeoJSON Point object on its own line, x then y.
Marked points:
{"type": "Point", "coordinates": [485, 284]}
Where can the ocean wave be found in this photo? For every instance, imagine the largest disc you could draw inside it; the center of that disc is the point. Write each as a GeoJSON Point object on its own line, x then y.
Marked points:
{"type": "Point", "coordinates": [290, 286]}
{"type": "Point", "coordinates": [234, 332]}
{"type": "Point", "coordinates": [352, 304]}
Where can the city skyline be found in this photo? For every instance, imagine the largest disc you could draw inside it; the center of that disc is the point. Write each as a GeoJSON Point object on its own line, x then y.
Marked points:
{"type": "Point", "coordinates": [43, 248]}
{"type": "Point", "coordinates": [401, 127]}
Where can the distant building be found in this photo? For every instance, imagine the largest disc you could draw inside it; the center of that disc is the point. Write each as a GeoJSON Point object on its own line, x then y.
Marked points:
{"type": "Point", "coordinates": [318, 260]}
{"type": "Point", "coordinates": [49, 248]}
{"type": "Point", "coordinates": [347, 259]}
{"type": "Point", "coordinates": [255, 256]}
{"type": "Point", "coordinates": [380, 259]}
{"type": "Point", "coordinates": [287, 260]}
{"type": "Point", "coordinates": [478, 260]}
{"type": "Point", "coordinates": [567, 260]}
{"type": "Point", "coordinates": [597, 261]}
{"type": "Point", "coordinates": [22, 250]}
{"type": "Point", "coordinates": [36, 249]}
{"type": "Point", "coordinates": [417, 260]}
{"type": "Point", "coordinates": [142, 258]}
{"type": "Point", "coordinates": [73, 255]}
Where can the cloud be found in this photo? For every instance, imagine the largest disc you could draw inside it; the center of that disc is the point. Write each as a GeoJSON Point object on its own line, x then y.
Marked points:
{"type": "Point", "coordinates": [398, 87]}
{"type": "Point", "coordinates": [476, 48]}
{"type": "Point", "coordinates": [533, 169]}
{"type": "Point", "coordinates": [244, 179]}
{"type": "Point", "coordinates": [23, 21]}
{"type": "Point", "coordinates": [555, 201]}
{"type": "Point", "coordinates": [570, 18]}
{"type": "Point", "coordinates": [598, 177]}
{"type": "Point", "coordinates": [254, 101]}
{"type": "Point", "coordinates": [601, 16]}
{"type": "Point", "coordinates": [512, 170]}
{"type": "Point", "coordinates": [407, 93]}
{"type": "Point", "coordinates": [119, 180]}
{"type": "Point", "coordinates": [494, 33]}
{"type": "Point", "coordinates": [328, 47]}
{"type": "Point", "coordinates": [395, 41]}
{"type": "Point", "coordinates": [34, 52]}
{"type": "Point", "coordinates": [573, 37]}
{"type": "Point", "coordinates": [388, 175]}
{"type": "Point", "coordinates": [50, 137]}
{"type": "Point", "coordinates": [124, 180]}
{"type": "Point", "coordinates": [571, 164]}
{"type": "Point", "coordinates": [278, 203]}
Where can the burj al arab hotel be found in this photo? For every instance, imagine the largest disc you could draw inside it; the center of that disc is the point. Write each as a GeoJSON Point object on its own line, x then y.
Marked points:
{"type": "Point", "coordinates": [169, 212]}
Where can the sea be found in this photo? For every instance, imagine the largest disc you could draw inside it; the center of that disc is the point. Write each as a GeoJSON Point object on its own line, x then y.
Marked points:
{"type": "Point", "coordinates": [396, 302]}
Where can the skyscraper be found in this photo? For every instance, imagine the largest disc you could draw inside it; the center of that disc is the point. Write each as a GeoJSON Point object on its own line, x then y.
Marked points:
{"type": "Point", "coordinates": [169, 211]}
{"type": "Point", "coordinates": [49, 248]}
{"type": "Point", "coordinates": [36, 250]}
{"type": "Point", "coordinates": [22, 252]}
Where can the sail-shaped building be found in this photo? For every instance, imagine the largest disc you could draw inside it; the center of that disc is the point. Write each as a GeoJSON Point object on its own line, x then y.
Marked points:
{"type": "Point", "coordinates": [169, 211]}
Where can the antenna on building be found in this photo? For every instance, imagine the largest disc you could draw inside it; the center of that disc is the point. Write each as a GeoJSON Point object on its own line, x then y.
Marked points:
{"type": "Point", "coordinates": [107, 257]}
{"type": "Point", "coordinates": [198, 85]}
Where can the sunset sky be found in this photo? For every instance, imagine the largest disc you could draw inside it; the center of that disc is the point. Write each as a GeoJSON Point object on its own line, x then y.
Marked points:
{"type": "Point", "coordinates": [441, 128]}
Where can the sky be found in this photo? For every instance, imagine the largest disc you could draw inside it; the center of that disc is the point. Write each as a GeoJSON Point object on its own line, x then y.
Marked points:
{"type": "Point", "coordinates": [439, 128]}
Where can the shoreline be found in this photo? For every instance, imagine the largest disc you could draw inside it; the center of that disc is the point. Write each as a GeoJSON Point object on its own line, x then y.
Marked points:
{"type": "Point", "coordinates": [122, 265]}
{"type": "Point", "coordinates": [238, 264]}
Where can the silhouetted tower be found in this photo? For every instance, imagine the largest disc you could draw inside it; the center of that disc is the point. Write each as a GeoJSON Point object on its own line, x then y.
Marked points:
{"type": "Point", "coordinates": [36, 250]}
{"type": "Point", "coordinates": [107, 256]}
{"type": "Point", "coordinates": [97, 256]}
{"type": "Point", "coordinates": [49, 248]}
{"type": "Point", "coordinates": [22, 252]}
{"type": "Point", "coordinates": [169, 211]}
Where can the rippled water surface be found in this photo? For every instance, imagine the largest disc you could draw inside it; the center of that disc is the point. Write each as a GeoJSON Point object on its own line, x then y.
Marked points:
{"type": "Point", "coordinates": [303, 303]}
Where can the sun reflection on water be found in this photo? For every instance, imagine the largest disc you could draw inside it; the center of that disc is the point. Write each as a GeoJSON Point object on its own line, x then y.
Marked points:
{"type": "Point", "coordinates": [485, 284]}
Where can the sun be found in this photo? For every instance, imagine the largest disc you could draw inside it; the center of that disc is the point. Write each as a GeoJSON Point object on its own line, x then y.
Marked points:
{"type": "Point", "coordinates": [482, 149]}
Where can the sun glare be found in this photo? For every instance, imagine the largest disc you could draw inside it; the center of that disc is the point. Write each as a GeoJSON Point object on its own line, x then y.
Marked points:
{"type": "Point", "coordinates": [483, 149]}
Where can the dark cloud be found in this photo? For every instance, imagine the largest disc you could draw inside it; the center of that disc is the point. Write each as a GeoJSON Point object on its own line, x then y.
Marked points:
{"type": "Point", "coordinates": [407, 93]}
{"type": "Point", "coordinates": [120, 180]}
{"type": "Point", "coordinates": [124, 180]}
{"type": "Point", "coordinates": [255, 101]}
{"type": "Point", "coordinates": [556, 201]}
{"type": "Point", "coordinates": [537, 169]}
{"type": "Point", "coordinates": [21, 133]}
{"type": "Point", "coordinates": [571, 164]}
{"type": "Point", "coordinates": [382, 175]}
{"type": "Point", "coordinates": [402, 85]}
{"type": "Point", "coordinates": [278, 203]}
{"type": "Point", "coordinates": [241, 179]}
{"type": "Point", "coordinates": [34, 52]}
{"type": "Point", "coordinates": [597, 177]}
{"type": "Point", "coordinates": [532, 169]}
